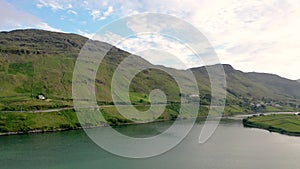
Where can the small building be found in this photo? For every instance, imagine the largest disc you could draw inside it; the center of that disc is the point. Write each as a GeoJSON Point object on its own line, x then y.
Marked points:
{"type": "Point", "coordinates": [193, 95]}
{"type": "Point", "coordinates": [41, 97]}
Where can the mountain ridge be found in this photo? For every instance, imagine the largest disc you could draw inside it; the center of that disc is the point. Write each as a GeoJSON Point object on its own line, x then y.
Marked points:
{"type": "Point", "coordinates": [42, 62]}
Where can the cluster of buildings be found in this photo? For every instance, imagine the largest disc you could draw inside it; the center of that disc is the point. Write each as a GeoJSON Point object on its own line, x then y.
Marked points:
{"type": "Point", "coordinates": [263, 104]}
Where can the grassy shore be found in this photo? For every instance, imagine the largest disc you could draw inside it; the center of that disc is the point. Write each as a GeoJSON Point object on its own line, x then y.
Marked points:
{"type": "Point", "coordinates": [26, 122]}
{"type": "Point", "coordinates": [288, 124]}
{"type": "Point", "coordinates": [33, 122]}
{"type": "Point", "coordinates": [36, 122]}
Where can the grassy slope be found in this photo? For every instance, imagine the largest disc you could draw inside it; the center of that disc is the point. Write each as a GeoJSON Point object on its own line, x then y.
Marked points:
{"type": "Point", "coordinates": [28, 69]}
{"type": "Point", "coordinates": [35, 61]}
{"type": "Point", "coordinates": [285, 124]}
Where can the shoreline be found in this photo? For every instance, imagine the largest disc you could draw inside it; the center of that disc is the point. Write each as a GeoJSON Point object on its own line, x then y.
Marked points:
{"type": "Point", "coordinates": [39, 131]}
{"type": "Point", "coordinates": [248, 124]}
{"type": "Point", "coordinates": [232, 117]}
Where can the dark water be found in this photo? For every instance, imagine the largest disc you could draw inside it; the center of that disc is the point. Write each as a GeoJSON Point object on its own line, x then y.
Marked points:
{"type": "Point", "coordinates": [231, 147]}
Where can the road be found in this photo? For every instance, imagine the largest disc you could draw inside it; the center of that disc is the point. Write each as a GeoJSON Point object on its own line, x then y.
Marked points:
{"type": "Point", "coordinates": [66, 108]}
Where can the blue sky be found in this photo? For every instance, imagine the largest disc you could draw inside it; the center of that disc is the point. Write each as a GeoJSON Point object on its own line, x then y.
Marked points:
{"type": "Point", "coordinates": [66, 17]}
{"type": "Point", "coordinates": [251, 35]}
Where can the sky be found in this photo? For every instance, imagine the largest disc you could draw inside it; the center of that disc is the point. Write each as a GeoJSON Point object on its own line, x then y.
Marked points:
{"type": "Point", "coordinates": [251, 35]}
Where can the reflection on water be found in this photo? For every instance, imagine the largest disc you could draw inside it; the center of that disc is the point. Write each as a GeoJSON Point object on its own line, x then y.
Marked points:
{"type": "Point", "coordinates": [232, 146]}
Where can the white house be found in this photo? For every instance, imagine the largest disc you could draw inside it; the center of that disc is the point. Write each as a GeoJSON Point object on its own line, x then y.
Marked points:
{"type": "Point", "coordinates": [41, 97]}
{"type": "Point", "coordinates": [194, 95]}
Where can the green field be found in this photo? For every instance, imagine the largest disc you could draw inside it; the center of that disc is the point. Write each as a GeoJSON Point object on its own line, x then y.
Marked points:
{"type": "Point", "coordinates": [28, 122]}
{"type": "Point", "coordinates": [281, 123]}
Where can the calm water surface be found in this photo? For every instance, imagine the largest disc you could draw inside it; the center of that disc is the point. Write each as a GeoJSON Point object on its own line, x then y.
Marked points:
{"type": "Point", "coordinates": [231, 147]}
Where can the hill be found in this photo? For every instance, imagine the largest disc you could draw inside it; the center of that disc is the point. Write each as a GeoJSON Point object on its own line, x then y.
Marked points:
{"type": "Point", "coordinates": [34, 62]}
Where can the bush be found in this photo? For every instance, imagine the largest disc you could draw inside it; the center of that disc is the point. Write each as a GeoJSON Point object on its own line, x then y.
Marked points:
{"type": "Point", "coordinates": [24, 129]}
{"type": "Point", "coordinates": [112, 121]}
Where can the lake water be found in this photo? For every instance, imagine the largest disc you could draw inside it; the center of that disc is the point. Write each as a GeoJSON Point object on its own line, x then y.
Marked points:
{"type": "Point", "coordinates": [231, 147]}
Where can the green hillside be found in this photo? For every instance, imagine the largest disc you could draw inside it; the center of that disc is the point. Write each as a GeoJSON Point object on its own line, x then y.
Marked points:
{"type": "Point", "coordinates": [34, 62]}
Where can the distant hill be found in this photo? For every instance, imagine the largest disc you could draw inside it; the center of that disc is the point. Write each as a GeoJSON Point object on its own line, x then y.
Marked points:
{"type": "Point", "coordinates": [34, 62]}
{"type": "Point", "coordinates": [257, 85]}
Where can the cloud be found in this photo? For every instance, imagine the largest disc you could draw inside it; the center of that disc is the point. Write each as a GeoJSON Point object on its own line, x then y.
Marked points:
{"type": "Point", "coordinates": [45, 26]}
{"type": "Point", "coordinates": [54, 4]}
{"type": "Point", "coordinates": [15, 19]}
{"type": "Point", "coordinates": [154, 47]}
{"type": "Point", "coordinates": [96, 14]}
{"type": "Point", "coordinates": [252, 35]}
{"type": "Point", "coordinates": [256, 35]}
{"type": "Point", "coordinates": [72, 12]}
{"type": "Point", "coordinates": [86, 34]}
{"type": "Point", "coordinates": [109, 11]}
